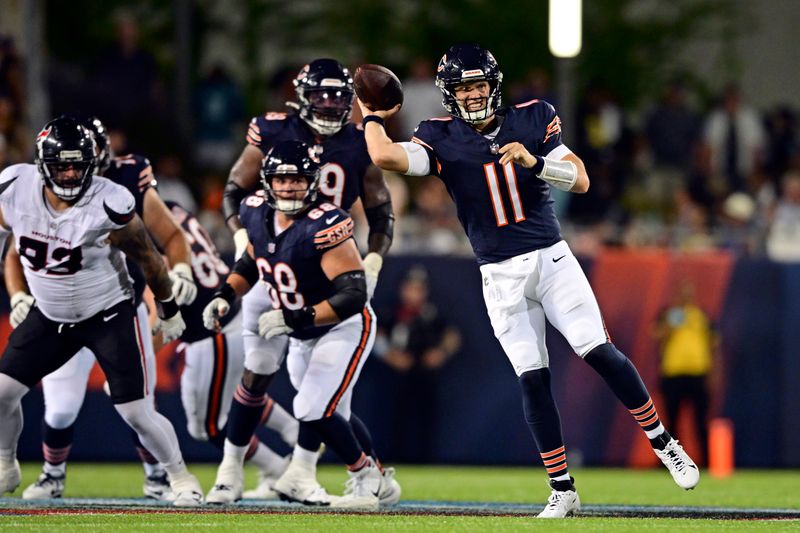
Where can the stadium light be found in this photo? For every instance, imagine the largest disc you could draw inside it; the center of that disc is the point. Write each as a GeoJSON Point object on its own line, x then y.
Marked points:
{"type": "Point", "coordinates": [565, 27]}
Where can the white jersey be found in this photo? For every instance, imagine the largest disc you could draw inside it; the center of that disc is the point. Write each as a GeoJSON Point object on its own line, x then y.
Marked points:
{"type": "Point", "coordinates": [70, 266]}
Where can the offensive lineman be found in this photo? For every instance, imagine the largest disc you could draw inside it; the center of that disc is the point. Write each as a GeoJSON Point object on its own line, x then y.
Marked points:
{"type": "Point", "coordinates": [302, 248]}
{"type": "Point", "coordinates": [215, 360]}
{"type": "Point", "coordinates": [498, 164]}
{"type": "Point", "coordinates": [325, 94]}
{"type": "Point", "coordinates": [65, 389]}
{"type": "Point", "coordinates": [72, 228]}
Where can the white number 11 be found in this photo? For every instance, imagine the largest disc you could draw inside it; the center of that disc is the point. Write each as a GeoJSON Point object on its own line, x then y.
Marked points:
{"type": "Point", "coordinates": [513, 192]}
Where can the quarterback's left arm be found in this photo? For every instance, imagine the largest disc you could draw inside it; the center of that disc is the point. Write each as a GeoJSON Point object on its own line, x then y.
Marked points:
{"type": "Point", "coordinates": [342, 265]}
{"type": "Point", "coordinates": [167, 234]}
{"type": "Point", "coordinates": [568, 173]}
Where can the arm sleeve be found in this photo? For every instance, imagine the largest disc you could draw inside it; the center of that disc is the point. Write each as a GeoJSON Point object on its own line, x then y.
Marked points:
{"type": "Point", "coordinates": [419, 160]}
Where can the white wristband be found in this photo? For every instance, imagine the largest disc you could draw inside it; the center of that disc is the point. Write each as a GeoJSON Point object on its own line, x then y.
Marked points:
{"type": "Point", "coordinates": [560, 174]}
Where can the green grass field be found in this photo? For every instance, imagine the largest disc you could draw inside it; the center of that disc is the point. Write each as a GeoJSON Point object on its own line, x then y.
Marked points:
{"type": "Point", "coordinates": [746, 489]}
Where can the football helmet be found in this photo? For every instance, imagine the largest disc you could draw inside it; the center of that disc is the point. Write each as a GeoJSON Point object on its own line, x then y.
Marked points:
{"type": "Point", "coordinates": [62, 144]}
{"type": "Point", "coordinates": [290, 158]}
{"type": "Point", "coordinates": [325, 91]}
{"type": "Point", "coordinates": [100, 132]}
{"type": "Point", "coordinates": [465, 63]}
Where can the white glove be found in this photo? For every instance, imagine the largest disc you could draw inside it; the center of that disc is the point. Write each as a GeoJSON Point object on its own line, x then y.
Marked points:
{"type": "Point", "coordinates": [271, 324]}
{"type": "Point", "coordinates": [240, 241]}
{"type": "Point", "coordinates": [213, 311]}
{"type": "Point", "coordinates": [21, 304]}
{"type": "Point", "coordinates": [170, 328]}
{"type": "Point", "coordinates": [183, 287]}
{"type": "Point", "coordinates": [372, 267]}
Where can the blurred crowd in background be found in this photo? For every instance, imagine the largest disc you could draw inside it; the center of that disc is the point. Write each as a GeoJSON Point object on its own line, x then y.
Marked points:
{"type": "Point", "coordinates": [681, 173]}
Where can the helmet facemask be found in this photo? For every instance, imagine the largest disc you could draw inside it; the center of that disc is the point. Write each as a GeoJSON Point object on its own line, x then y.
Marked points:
{"type": "Point", "coordinates": [290, 206]}
{"type": "Point", "coordinates": [64, 146]}
{"type": "Point", "coordinates": [460, 108]}
{"type": "Point", "coordinates": [326, 110]}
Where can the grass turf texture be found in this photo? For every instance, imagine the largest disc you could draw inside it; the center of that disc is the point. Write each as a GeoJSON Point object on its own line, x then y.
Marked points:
{"type": "Point", "coordinates": [751, 489]}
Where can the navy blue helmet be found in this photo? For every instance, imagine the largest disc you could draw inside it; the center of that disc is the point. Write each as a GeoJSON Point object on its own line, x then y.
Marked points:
{"type": "Point", "coordinates": [62, 144]}
{"type": "Point", "coordinates": [325, 92]}
{"type": "Point", "coordinates": [290, 158]}
{"type": "Point", "coordinates": [466, 63]}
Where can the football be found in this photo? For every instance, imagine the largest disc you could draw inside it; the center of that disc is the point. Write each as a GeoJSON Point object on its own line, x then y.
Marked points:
{"type": "Point", "coordinates": [377, 87]}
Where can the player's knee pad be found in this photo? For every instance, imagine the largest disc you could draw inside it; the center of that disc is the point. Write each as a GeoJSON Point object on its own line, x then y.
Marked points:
{"type": "Point", "coordinates": [11, 392]}
{"type": "Point", "coordinates": [605, 358]}
{"type": "Point", "coordinates": [263, 362]}
{"type": "Point", "coordinates": [536, 393]}
{"type": "Point", "coordinates": [60, 419]}
{"type": "Point", "coordinates": [302, 409]}
{"type": "Point", "coordinates": [138, 414]}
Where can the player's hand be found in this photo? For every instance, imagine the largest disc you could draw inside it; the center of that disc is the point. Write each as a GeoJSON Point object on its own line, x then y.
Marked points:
{"type": "Point", "coordinates": [21, 304]}
{"type": "Point", "coordinates": [184, 288]}
{"type": "Point", "coordinates": [240, 241]}
{"type": "Point", "coordinates": [516, 153]}
{"type": "Point", "coordinates": [372, 267]}
{"type": "Point", "coordinates": [170, 328]}
{"type": "Point", "coordinates": [216, 309]}
{"type": "Point", "coordinates": [271, 324]}
{"type": "Point", "coordinates": [384, 114]}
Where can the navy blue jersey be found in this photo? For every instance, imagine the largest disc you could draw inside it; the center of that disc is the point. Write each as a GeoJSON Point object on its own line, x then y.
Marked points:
{"type": "Point", "coordinates": [290, 262]}
{"type": "Point", "coordinates": [343, 157]}
{"type": "Point", "coordinates": [209, 271]}
{"type": "Point", "coordinates": [505, 210]}
{"type": "Point", "coordinates": [135, 174]}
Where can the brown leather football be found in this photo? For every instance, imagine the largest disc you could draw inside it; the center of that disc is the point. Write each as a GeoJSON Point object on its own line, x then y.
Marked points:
{"type": "Point", "coordinates": [377, 87]}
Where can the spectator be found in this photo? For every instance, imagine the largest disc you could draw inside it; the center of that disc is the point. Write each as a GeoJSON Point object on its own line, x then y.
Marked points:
{"type": "Point", "coordinates": [671, 131]}
{"type": "Point", "coordinates": [19, 146]}
{"type": "Point", "coordinates": [11, 75]}
{"type": "Point", "coordinates": [126, 89]}
{"type": "Point", "coordinates": [421, 98]}
{"type": "Point", "coordinates": [219, 108]}
{"type": "Point", "coordinates": [687, 344]}
{"type": "Point", "coordinates": [416, 342]}
{"type": "Point", "coordinates": [783, 240]}
{"type": "Point", "coordinates": [736, 140]}
{"type": "Point", "coordinates": [171, 186]}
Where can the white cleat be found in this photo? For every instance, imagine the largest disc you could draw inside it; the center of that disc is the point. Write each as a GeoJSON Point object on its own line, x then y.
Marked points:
{"type": "Point", "coordinates": [363, 489]}
{"type": "Point", "coordinates": [299, 484]}
{"type": "Point", "coordinates": [561, 504]}
{"type": "Point", "coordinates": [46, 487]}
{"type": "Point", "coordinates": [156, 487]}
{"type": "Point", "coordinates": [390, 488]}
{"type": "Point", "coordinates": [229, 484]}
{"type": "Point", "coordinates": [263, 490]}
{"type": "Point", "coordinates": [680, 465]}
{"type": "Point", "coordinates": [187, 491]}
{"type": "Point", "coordinates": [10, 476]}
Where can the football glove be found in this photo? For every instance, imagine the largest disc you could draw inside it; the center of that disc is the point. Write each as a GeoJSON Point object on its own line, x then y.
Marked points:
{"type": "Point", "coordinates": [170, 328]}
{"type": "Point", "coordinates": [21, 304]}
{"type": "Point", "coordinates": [240, 241]}
{"type": "Point", "coordinates": [372, 267]}
{"type": "Point", "coordinates": [271, 324]}
{"type": "Point", "coordinates": [215, 309]}
{"type": "Point", "coordinates": [183, 287]}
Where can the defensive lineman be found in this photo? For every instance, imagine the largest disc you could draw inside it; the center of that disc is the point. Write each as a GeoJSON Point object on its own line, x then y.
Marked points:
{"type": "Point", "coordinates": [498, 164]}
{"type": "Point", "coordinates": [72, 228]}
{"type": "Point", "coordinates": [64, 390]}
